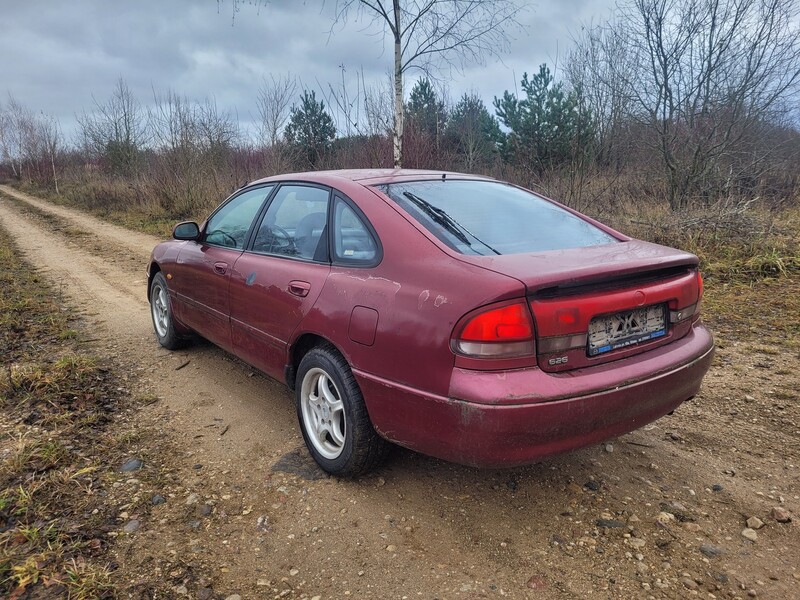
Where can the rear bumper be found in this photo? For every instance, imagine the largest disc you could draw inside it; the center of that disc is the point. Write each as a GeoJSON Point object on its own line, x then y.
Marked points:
{"type": "Point", "coordinates": [507, 418]}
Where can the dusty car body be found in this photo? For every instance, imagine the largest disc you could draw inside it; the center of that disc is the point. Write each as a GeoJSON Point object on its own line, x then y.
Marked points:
{"type": "Point", "coordinates": [392, 320]}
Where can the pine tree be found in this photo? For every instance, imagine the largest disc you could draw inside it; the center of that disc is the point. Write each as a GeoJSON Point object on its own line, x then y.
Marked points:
{"type": "Point", "coordinates": [425, 110]}
{"type": "Point", "coordinates": [549, 126]}
{"type": "Point", "coordinates": [473, 132]}
{"type": "Point", "coordinates": [310, 128]}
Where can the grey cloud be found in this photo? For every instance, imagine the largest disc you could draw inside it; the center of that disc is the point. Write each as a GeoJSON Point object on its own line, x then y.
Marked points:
{"type": "Point", "coordinates": [59, 55]}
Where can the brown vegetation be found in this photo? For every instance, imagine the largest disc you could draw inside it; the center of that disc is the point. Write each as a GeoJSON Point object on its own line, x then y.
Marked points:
{"type": "Point", "coordinates": [675, 121]}
{"type": "Point", "coordinates": [59, 445]}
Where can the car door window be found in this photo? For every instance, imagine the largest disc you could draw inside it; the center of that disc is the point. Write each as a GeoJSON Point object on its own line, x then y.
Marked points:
{"type": "Point", "coordinates": [228, 226]}
{"type": "Point", "coordinates": [295, 224]}
{"type": "Point", "coordinates": [353, 242]}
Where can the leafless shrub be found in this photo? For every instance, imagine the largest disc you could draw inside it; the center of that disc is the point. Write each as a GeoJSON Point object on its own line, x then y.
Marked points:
{"type": "Point", "coordinates": [705, 80]}
{"type": "Point", "coordinates": [194, 143]}
{"type": "Point", "coordinates": [599, 64]}
{"type": "Point", "coordinates": [116, 131]}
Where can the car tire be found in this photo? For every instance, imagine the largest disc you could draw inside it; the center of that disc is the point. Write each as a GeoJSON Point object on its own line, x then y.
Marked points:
{"type": "Point", "coordinates": [161, 313]}
{"type": "Point", "coordinates": [333, 417]}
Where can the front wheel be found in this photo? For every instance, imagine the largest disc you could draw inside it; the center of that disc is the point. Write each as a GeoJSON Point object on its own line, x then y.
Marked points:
{"type": "Point", "coordinates": [333, 417]}
{"type": "Point", "coordinates": [161, 311]}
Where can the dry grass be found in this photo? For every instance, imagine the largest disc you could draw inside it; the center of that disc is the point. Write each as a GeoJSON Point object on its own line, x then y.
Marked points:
{"type": "Point", "coordinates": [744, 242]}
{"type": "Point", "coordinates": [56, 402]}
{"type": "Point", "coordinates": [750, 261]}
{"type": "Point", "coordinates": [767, 310]}
{"type": "Point", "coordinates": [136, 204]}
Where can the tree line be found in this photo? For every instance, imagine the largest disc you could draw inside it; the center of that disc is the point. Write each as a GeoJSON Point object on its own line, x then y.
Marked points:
{"type": "Point", "coordinates": [683, 101]}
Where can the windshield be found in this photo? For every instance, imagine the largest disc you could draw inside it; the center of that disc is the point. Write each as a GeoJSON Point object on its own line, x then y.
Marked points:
{"type": "Point", "coordinates": [488, 217]}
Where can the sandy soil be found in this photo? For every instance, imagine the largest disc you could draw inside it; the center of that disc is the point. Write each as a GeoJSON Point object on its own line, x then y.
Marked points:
{"type": "Point", "coordinates": [657, 513]}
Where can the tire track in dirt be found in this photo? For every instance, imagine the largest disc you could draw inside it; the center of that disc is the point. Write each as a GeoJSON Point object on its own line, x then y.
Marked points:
{"type": "Point", "coordinates": [138, 244]}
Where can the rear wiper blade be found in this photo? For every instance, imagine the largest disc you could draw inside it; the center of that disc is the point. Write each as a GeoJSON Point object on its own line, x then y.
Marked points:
{"type": "Point", "coordinates": [441, 217]}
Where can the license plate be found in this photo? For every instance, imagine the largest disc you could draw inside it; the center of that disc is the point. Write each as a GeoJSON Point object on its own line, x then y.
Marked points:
{"type": "Point", "coordinates": [611, 332]}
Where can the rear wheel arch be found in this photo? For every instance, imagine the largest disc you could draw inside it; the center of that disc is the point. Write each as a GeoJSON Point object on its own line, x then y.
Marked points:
{"type": "Point", "coordinates": [302, 346]}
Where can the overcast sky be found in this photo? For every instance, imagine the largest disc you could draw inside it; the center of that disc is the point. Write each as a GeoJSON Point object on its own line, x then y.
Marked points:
{"type": "Point", "coordinates": [58, 55]}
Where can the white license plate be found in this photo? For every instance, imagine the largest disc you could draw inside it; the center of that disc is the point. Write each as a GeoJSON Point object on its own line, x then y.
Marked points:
{"type": "Point", "coordinates": [627, 328]}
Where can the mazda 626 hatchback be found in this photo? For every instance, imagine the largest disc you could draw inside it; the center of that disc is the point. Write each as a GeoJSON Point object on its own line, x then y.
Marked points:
{"type": "Point", "coordinates": [459, 316]}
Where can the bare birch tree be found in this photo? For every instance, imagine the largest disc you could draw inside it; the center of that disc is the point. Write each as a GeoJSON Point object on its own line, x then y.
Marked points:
{"type": "Point", "coordinates": [16, 126]}
{"type": "Point", "coordinates": [49, 134]}
{"type": "Point", "coordinates": [5, 130]}
{"type": "Point", "coordinates": [5, 140]}
{"type": "Point", "coordinates": [427, 34]}
{"type": "Point", "coordinates": [275, 98]}
{"type": "Point", "coordinates": [30, 144]}
{"type": "Point", "coordinates": [274, 103]}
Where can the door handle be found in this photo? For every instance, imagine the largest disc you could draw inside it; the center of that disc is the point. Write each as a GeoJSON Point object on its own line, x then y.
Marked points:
{"type": "Point", "coordinates": [299, 288]}
{"type": "Point", "coordinates": [220, 268]}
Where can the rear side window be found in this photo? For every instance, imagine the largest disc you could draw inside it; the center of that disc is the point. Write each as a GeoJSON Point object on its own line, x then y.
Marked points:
{"type": "Point", "coordinates": [352, 240]}
{"type": "Point", "coordinates": [489, 218]}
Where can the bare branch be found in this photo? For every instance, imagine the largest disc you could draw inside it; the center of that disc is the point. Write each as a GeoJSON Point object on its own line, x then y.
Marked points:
{"type": "Point", "coordinates": [432, 34]}
{"type": "Point", "coordinates": [275, 97]}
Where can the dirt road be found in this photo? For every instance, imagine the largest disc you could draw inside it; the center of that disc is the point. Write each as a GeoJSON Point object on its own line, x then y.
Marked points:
{"type": "Point", "coordinates": [657, 513]}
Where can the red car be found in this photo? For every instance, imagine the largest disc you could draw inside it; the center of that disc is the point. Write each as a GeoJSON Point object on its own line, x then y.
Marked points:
{"type": "Point", "coordinates": [459, 316]}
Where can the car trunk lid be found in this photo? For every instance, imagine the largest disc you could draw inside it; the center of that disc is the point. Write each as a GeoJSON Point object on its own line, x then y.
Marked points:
{"type": "Point", "coordinates": [602, 303]}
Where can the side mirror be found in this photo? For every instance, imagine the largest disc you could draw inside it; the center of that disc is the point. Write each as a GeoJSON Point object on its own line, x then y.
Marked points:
{"type": "Point", "coordinates": [187, 230]}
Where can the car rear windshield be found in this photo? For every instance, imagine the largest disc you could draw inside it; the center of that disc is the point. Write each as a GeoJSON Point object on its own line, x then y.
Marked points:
{"type": "Point", "coordinates": [488, 217]}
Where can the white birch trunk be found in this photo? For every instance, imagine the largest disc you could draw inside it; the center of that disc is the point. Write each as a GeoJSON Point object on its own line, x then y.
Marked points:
{"type": "Point", "coordinates": [397, 137]}
{"type": "Point", "coordinates": [53, 166]}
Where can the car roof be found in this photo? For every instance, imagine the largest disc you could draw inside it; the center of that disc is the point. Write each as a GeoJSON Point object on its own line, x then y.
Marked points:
{"type": "Point", "coordinates": [371, 176]}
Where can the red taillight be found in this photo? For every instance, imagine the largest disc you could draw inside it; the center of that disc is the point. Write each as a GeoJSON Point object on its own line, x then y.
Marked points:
{"type": "Point", "coordinates": [500, 324]}
{"type": "Point", "coordinates": [497, 333]}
